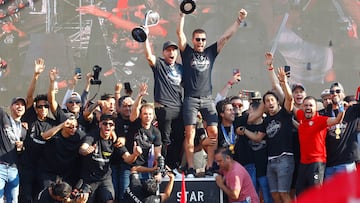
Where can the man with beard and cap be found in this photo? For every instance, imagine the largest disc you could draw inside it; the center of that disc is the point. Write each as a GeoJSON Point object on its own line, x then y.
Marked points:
{"type": "Point", "coordinates": [12, 132]}
{"type": "Point", "coordinates": [341, 140]}
{"type": "Point", "coordinates": [312, 132]}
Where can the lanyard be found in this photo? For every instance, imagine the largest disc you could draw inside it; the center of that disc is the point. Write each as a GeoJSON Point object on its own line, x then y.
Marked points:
{"type": "Point", "coordinates": [230, 139]}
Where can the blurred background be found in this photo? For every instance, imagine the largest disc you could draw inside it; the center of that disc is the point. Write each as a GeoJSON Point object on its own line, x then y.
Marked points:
{"type": "Point", "coordinates": [318, 39]}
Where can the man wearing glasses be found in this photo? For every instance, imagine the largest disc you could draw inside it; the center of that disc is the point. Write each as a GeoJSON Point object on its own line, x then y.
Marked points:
{"type": "Point", "coordinates": [197, 67]}
{"type": "Point", "coordinates": [97, 149]}
{"type": "Point", "coordinates": [341, 140]}
{"type": "Point", "coordinates": [36, 115]}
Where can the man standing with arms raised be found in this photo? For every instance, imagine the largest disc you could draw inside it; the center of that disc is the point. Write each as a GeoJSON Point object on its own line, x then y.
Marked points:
{"type": "Point", "coordinates": [197, 67]}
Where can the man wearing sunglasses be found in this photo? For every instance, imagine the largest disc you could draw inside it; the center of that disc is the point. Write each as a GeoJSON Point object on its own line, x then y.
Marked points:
{"type": "Point", "coordinates": [198, 63]}
{"type": "Point", "coordinates": [36, 115]}
{"type": "Point", "coordinates": [96, 150]}
{"type": "Point", "coordinates": [341, 140]}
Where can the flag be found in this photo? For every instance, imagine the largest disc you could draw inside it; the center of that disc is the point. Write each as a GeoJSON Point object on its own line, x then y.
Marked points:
{"type": "Point", "coordinates": [183, 189]}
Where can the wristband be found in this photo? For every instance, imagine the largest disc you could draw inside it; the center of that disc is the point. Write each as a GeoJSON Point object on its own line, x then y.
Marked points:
{"type": "Point", "coordinates": [341, 108]}
{"type": "Point", "coordinates": [238, 21]}
{"type": "Point", "coordinates": [230, 83]}
{"type": "Point", "coordinates": [271, 68]}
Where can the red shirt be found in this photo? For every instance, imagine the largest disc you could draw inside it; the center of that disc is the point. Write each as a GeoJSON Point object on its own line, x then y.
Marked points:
{"type": "Point", "coordinates": [312, 133]}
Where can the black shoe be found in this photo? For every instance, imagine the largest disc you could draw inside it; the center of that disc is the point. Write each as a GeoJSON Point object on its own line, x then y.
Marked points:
{"type": "Point", "coordinates": [190, 173]}
{"type": "Point", "coordinates": [209, 171]}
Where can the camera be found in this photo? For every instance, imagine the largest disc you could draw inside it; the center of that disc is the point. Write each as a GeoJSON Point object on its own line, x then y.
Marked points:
{"type": "Point", "coordinates": [161, 165]}
{"type": "Point", "coordinates": [96, 81]}
{"type": "Point", "coordinates": [80, 188]}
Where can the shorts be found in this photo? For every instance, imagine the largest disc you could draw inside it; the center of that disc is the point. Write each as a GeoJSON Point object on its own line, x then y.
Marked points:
{"type": "Point", "coordinates": [280, 172]}
{"type": "Point", "coordinates": [206, 106]}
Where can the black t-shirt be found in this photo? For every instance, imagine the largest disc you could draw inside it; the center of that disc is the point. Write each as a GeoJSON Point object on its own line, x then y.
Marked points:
{"type": "Point", "coordinates": [34, 143]}
{"type": "Point", "coordinates": [243, 152]}
{"type": "Point", "coordinates": [60, 153]}
{"type": "Point", "coordinates": [344, 148]}
{"type": "Point", "coordinates": [135, 194]}
{"type": "Point", "coordinates": [144, 138]}
{"type": "Point", "coordinates": [279, 133]}
{"type": "Point", "coordinates": [197, 68]}
{"type": "Point", "coordinates": [167, 83]}
{"type": "Point", "coordinates": [121, 129]}
{"type": "Point", "coordinates": [96, 166]}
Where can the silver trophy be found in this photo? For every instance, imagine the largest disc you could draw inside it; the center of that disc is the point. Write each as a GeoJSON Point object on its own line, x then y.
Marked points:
{"type": "Point", "coordinates": [151, 19]}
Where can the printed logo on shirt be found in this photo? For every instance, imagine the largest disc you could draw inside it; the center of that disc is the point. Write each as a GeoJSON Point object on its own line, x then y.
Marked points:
{"type": "Point", "coordinates": [273, 128]}
{"type": "Point", "coordinates": [200, 62]}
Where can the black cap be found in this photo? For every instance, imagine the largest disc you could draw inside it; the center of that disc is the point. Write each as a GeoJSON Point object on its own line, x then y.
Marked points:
{"type": "Point", "coordinates": [104, 117]}
{"type": "Point", "coordinates": [297, 85]}
{"type": "Point", "coordinates": [169, 44]}
{"type": "Point", "coordinates": [14, 100]}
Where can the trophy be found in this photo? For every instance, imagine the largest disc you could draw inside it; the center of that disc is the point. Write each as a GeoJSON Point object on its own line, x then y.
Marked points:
{"type": "Point", "coordinates": [140, 33]}
{"type": "Point", "coordinates": [187, 6]}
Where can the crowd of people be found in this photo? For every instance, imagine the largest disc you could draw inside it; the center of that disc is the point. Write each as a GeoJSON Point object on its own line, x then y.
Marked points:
{"type": "Point", "coordinates": [87, 150]}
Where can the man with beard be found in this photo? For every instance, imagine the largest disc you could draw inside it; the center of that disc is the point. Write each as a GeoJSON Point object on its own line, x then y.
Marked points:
{"type": "Point", "coordinates": [12, 131]}
{"type": "Point", "coordinates": [341, 141]}
{"type": "Point", "coordinates": [198, 64]}
{"type": "Point", "coordinates": [312, 132]}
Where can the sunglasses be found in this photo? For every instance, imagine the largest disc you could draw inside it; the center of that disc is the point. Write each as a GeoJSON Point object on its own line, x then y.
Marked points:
{"type": "Point", "coordinates": [111, 124]}
{"type": "Point", "coordinates": [200, 39]}
{"type": "Point", "coordinates": [74, 102]}
{"type": "Point", "coordinates": [238, 105]}
{"type": "Point", "coordinates": [42, 106]}
{"type": "Point", "coordinates": [335, 91]}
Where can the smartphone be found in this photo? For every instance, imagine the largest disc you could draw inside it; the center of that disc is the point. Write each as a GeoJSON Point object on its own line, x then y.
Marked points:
{"type": "Point", "coordinates": [236, 71]}
{"type": "Point", "coordinates": [287, 70]}
{"type": "Point", "coordinates": [78, 72]}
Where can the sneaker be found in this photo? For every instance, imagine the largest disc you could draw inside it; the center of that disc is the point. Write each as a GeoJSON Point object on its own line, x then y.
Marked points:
{"type": "Point", "coordinates": [190, 173]}
{"type": "Point", "coordinates": [209, 171]}
{"type": "Point", "coordinates": [177, 173]}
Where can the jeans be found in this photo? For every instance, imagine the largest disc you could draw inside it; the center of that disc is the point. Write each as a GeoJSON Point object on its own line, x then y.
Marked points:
{"type": "Point", "coordinates": [263, 185]}
{"type": "Point", "coordinates": [279, 172]}
{"type": "Point", "coordinates": [252, 172]}
{"type": "Point", "coordinates": [332, 170]}
{"type": "Point", "coordinates": [115, 176]}
{"type": "Point", "coordinates": [9, 183]}
{"type": "Point", "coordinates": [124, 177]}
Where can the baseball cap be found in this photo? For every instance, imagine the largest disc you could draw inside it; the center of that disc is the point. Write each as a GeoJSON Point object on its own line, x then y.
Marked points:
{"type": "Point", "coordinates": [169, 44]}
{"type": "Point", "coordinates": [14, 100]}
{"type": "Point", "coordinates": [337, 84]}
{"type": "Point", "coordinates": [325, 92]}
{"type": "Point", "coordinates": [297, 85]}
{"type": "Point", "coordinates": [74, 96]}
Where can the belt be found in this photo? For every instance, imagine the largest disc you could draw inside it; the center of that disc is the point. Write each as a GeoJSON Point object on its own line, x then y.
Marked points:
{"type": "Point", "coordinates": [158, 105]}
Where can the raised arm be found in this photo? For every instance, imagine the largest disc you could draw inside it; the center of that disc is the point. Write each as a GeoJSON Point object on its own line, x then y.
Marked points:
{"type": "Point", "coordinates": [289, 100]}
{"type": "Point", "coordinates": [135, 109]}
{"type": "Point", "coordinates": [222, 94]}
{"type": "Point", "coordinates": [150, 57]}
{"type": "Point", "coordinates": [39, 68]}
{"type": "Point", "coordinates": [180, 32]}
{"type": "Point", "coordinates": [71, 87]}
{"type": "Point", "coordinates": [231, 30]}
{"type": "Point", "coordinates": [51, 93]}
{"type": "Point", "coordinates": [273, 78]}
{"type": "Point", "coordinates": [339, 118]}
{"type": "Point", "coordinates": [169, 187]}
